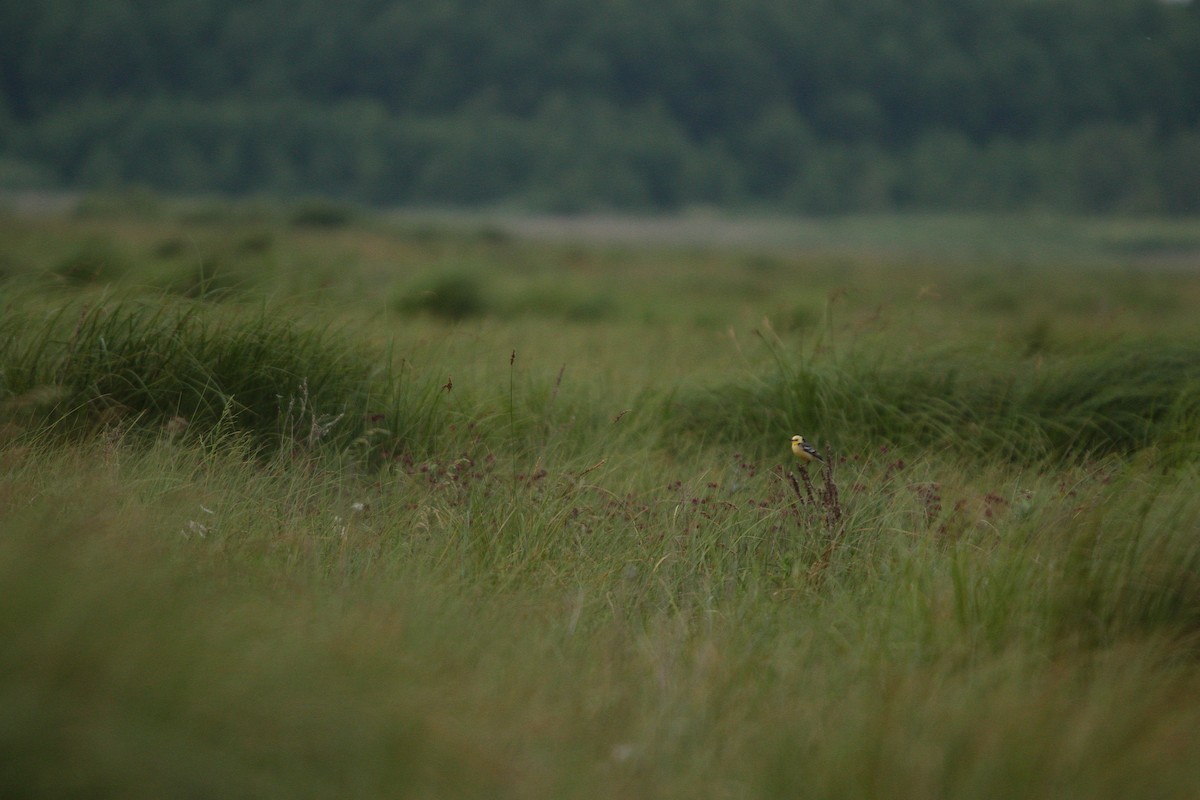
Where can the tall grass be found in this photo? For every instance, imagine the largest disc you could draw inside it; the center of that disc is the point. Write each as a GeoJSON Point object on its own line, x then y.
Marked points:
{"type": "Point", "coordinates": [189, 615]}
{"type": "Point", "coordinates": [181, 368]}
{"type": "Point", "coordinates": [253, 549]}
{"type": "Point", "coordinates": [1117, 398]}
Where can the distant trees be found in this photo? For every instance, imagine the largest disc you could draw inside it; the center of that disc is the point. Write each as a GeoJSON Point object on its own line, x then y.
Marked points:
{"type": "Point", "coordinates": [818, 106]}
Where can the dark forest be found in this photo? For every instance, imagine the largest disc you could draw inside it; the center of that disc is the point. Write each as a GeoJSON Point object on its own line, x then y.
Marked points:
{"type": "Point", "coordinates": [816, 107]}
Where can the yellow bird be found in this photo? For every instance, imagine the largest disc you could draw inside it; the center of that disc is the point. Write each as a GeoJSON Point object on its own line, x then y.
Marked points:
{"type": "Point", "coordinates": [805, 451]}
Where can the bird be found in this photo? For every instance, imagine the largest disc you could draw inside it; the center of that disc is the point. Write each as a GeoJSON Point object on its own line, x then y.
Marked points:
{"type": "Point", "coordinates": [805, 451]}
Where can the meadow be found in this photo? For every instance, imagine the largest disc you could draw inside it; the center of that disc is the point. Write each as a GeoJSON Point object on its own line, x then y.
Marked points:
{"type": "Point", "coordinates": [303, 501]}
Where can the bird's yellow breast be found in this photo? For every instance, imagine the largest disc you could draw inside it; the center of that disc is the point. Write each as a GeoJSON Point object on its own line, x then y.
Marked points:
{"type": "Point", "coordinates": [805, 451]}
{"type": "Point", "coordinates": [798, 449]}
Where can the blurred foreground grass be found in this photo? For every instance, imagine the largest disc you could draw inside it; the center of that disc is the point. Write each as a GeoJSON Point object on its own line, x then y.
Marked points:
{"type": "Point", "coordinates": [311, 530]}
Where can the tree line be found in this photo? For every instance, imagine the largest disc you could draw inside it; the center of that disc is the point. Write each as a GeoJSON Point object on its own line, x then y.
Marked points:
{"type": "Point", "coordinates": [820, 106]}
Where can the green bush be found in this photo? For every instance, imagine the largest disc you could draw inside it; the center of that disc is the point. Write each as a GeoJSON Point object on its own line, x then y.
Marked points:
{"type": "Point", "coordinates": [319, 213]}
{"type": "Point", "coordinates": [98, 260]}
{"type": "Point", "coordinates": [453, 296]}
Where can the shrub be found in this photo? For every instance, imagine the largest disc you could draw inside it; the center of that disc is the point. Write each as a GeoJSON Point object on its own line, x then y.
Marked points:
{"type": "Point", "coordinates": [95, 261]}
{"type": "Point", "coordinates": [321, 214]}
{"type": "Point", "coordinates": [453, 296]}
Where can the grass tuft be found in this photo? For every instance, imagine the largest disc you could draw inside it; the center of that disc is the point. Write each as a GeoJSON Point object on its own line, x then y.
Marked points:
{"type": "Point", "coordinates": [184, 368]}
{"type": "Point", "coordinates": [1119, 399]}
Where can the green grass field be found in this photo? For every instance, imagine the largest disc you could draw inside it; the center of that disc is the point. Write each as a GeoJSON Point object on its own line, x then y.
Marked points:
{"type": "Point", "coordinates": [313, 503]}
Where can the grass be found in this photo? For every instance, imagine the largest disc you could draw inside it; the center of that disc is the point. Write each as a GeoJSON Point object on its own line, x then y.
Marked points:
{"type": "Point", "coordinates": [573, 558]}
{"type": "Point", "coordinates": [186, 369]}
{"type": "Point", "coordinates": [1115, 398]}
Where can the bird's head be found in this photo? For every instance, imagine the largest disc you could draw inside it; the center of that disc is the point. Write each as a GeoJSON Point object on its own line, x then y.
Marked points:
{"type": "Point", "coordinates": [797, 439]}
